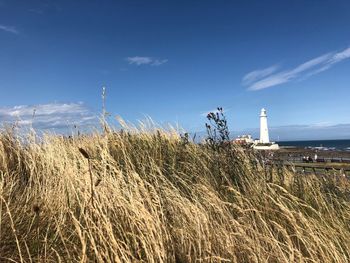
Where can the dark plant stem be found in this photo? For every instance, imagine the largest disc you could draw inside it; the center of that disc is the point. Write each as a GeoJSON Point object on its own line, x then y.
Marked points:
{"type": "Point", "coordinates": [91, 183]}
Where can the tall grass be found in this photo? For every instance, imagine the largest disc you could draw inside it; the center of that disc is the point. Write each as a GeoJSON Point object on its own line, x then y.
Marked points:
{"type": "Point", "coordinates": [146, 196]}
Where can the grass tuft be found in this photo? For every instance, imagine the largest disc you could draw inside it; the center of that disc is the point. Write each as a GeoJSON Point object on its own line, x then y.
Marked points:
{"type": "Point", "coordinates": [146, 196]}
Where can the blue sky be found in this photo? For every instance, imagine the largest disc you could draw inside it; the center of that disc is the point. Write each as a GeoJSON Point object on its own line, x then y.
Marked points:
{"type": "Point", "coordinates": [177, 60]}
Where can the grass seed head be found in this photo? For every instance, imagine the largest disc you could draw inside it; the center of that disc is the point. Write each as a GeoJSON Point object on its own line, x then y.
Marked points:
{"type": "Point", "coordinates": [84, 153]}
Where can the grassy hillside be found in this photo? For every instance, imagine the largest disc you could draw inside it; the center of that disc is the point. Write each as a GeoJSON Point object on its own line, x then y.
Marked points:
{"type": "Point", "coordinates": [157, 198]}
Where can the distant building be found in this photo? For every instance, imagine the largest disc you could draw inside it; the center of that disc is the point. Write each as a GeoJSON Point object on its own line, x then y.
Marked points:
{"type": "Point", "coordinates": [245, 139]}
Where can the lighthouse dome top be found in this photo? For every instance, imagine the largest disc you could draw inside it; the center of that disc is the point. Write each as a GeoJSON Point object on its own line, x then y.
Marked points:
{"type": "Point", "coordinates": [263, 112]}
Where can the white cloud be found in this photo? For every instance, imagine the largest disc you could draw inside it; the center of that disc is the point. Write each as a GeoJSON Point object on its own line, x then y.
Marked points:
{"type": "Point", "coordinates": [341, 56]}
{"type": "Point", "coordinates": [258, 74]}
{"type": "Point", "coordinates": [48, 116]}
{"type": "Point", "coordinates": [262, 79]}
{"type": "Point", "coordinates": [311, 63]}
{"type": "Point", "coordinates": [158, 62]}
{"type": "Point", "coordinates": [205, 113]}
{"type": "Point", "coordinates": [138, 61]}
{"type": "Point", "coordinates": [10, 29]}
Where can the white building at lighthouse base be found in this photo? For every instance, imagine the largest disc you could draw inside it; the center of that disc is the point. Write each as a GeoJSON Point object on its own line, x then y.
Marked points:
{"type": "Point", "coordinates": [267, 147]}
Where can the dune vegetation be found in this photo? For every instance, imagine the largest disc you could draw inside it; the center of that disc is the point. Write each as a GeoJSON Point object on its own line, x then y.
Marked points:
{"type": "Point", "coordinates": [150, 195]}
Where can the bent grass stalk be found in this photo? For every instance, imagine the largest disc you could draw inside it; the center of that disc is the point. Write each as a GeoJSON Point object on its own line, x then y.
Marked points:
{"type": "Point", "coordinates": [86, 155]}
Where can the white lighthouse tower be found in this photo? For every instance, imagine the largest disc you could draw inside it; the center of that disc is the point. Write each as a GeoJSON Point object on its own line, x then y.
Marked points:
{"type": "Point", "coordinates": [264, 142]}
{"type": "Point", "coordinates": [264, 131]}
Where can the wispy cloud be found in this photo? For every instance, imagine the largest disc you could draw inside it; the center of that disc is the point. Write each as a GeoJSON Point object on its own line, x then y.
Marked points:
{"type": "Point", "coordinates": [265, 78]}
{"type": "Point", "coordinates": [258, 74]}
{"type": "Point", "coordinates": [138, 61]}
{"type": "Point", "coordinates": [10, 29]}
{"type": "Point", "coordinates": [205, 113]}
{"type": "Point", "coordinates": [49, 116]}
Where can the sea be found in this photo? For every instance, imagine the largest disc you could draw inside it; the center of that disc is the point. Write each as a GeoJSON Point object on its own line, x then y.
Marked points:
{"type": "Point", "coordinates": [343, 145]}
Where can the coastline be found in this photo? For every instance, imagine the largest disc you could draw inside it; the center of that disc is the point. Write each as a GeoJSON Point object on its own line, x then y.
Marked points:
{"type": "Point", "coordinates": [335, 144]}
{"type": "Point", "coordinates": [292, 152]}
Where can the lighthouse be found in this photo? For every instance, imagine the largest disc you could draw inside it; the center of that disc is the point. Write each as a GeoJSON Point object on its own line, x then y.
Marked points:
{"type": "Point", "coordinates": [264, 131]}
{"type": "Point", "coordinates": [264, 142]}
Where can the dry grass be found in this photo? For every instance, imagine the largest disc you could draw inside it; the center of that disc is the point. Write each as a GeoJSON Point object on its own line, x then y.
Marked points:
{"type": "Point", "coordinates": [154, 199]}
